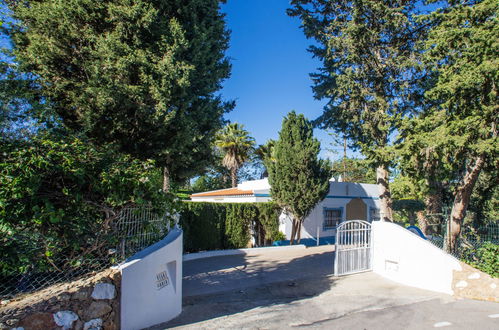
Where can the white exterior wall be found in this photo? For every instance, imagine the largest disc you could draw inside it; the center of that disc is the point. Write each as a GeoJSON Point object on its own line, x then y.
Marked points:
{"type": "Point", "coordinates": [367, 192]}
{"type": "Point", "coordinates": [143, 303]}
{"type": "Point", "coordinates": [256, 185]}
{"type": "Point", "coordinates": [404, 257]}
{"type": "Point", "coordinates": [229, 199]}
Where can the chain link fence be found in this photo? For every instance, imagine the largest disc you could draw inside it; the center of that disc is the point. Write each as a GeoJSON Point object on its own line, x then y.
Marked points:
{"type": "Point", "coordinates": [469, 241]}
{"type": "Point", "coordinates": [132, 230]}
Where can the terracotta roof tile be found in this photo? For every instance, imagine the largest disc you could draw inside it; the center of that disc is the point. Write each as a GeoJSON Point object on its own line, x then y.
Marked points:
{"type": "Point", "coordinates": [224, 192]}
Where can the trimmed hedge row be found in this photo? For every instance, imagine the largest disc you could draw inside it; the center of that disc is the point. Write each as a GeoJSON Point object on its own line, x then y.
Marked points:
{"type": "Point", "coordinates": [216, 226]}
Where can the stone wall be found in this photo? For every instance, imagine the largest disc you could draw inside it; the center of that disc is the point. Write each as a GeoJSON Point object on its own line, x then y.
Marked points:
{"type": "Point", "coordinates": [91, 303]}
{"type": "Point", "coordinates": [473, 284]}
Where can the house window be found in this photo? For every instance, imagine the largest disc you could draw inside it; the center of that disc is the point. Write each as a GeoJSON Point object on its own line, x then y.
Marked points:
{"type": "Point", "coordinates": [332, 218]}
{"type": "Point", "coordinates": [374, 214]}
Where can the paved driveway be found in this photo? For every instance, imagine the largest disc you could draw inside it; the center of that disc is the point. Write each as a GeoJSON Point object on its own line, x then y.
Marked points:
{"type": "Point", "coordinates": [295, 288]}
{"type": "Point", "coordinates": [256, 268]}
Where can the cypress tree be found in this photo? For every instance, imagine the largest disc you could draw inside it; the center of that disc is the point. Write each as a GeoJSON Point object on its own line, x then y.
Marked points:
{"type": "Point", "coordinates": [142, 75]}
{"type": "Point", "coordinates": [298, 179]}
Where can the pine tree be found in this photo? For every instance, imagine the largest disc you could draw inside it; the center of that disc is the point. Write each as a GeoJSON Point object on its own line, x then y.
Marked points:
{"type": "Point", "coordinates": [460, 132]}
{"type": "Point", "coordinates": [298, 179]}
{"type": "Point", "coordinates": [364, 47]}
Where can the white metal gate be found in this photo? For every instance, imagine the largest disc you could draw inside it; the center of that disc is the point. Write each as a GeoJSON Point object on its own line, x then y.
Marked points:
{"type": "Point", "coordinates": [353, 247]}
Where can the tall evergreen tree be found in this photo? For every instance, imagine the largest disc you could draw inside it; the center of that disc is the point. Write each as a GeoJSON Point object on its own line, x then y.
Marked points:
{"type": "Point", "coordinates": [461, 131]}
{"type": "Point", "coordinates": [364, 47]}
{"type": "Point", "coordinates": [236, 144]}
{"type": "Point", "coordinates": [298, 179]}
{"type": "Point", "coordinates": [139, 74]}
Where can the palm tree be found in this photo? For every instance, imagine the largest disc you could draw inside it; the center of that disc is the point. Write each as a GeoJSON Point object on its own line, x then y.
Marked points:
{"type": "Point", "coordinates": [264, 153]}
{"type": "Point", "coordinates": [237, 144]}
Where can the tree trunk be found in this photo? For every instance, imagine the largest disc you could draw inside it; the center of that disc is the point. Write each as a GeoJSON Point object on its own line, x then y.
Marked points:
{"type": "Point", "coordinates": [433, 206]}
{"type": "Point", "coordinates": [298, 231]}
{"type": "Point", "coordinates": [422, 222]}
{"type": "Point", "coordinates": [166, 179]}
{"type": "Point", "coordinates": [233, 176]}
{"type": "Point", "coordinates": [384, 193]}
{"type": "Point", "coordinates": [462, 199]}
{"type": "Point", "coordinates": [412, 218]}
{"type": "Point", "coordinates": [293, 232]}
{"type": "Point", "coordinates": [260, 234]}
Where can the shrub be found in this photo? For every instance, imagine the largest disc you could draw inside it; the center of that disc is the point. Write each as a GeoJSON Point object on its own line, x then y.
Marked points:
{"type": "Point", "coordinates": [58, 198]}
{"type": "Point", "coordinates": [269, 218]}
{"type": "Point", "coordinates": [239, 218]}
{"type": "Point", "coordinates": [486, 259]}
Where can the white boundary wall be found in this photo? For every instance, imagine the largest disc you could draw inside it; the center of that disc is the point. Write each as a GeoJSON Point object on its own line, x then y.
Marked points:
{"type": "Point", "coordinates": [404, 257]}
{"type": "Point", "coordinates": [151, 284]}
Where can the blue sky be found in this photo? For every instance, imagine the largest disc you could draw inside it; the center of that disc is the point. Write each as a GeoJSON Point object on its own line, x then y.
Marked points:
{"type": "Point", "coordinates": [270, 68]}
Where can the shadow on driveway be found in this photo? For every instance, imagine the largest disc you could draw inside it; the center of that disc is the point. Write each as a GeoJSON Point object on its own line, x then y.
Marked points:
{"type": "Point", "coordinates": [217, 274]}
{"type": "Point", "coordinates": [220, 286]}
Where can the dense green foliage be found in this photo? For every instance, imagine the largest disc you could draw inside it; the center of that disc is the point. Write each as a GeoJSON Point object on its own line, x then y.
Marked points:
{"type": "Point", "coordinates": [59, 197]}
{"type": "Point", "coordinates": [95, 97]}
{"type": "Point", "coordinates": [406, 209]}
{"type": "Point", "coordinates": [204, 226]}
{"type": "Point", "coordinates": [142, 75]}
{"type": "Point", "coordinates": [268, 217]}
{"type": "Point", "coordinates": [484, 203]}
{"type": "Point", "coordinates": [236, 145]}
{"type": "Point", "coordinates": [214, 226]}
{"type": "Point", "coordinates": [238, 222]}
{"type": "Point", "coordinates": [456, 138]}
{"type": "Point", "coordinates": [208, 182]}
{"type": "Point", "coordinates": [485, 258]}
{"type": "Point", "coordinates": [298, 179]}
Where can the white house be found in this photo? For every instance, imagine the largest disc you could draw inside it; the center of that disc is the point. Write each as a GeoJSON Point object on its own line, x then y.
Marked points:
{"type": "Point", "coordinates": [344, 201]}
{"type": "Point", "coordinates": [254, 191]}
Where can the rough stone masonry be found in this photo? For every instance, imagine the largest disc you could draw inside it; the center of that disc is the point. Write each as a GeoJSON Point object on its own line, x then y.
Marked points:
{"type": "Point", "coordinates": [91, 303]}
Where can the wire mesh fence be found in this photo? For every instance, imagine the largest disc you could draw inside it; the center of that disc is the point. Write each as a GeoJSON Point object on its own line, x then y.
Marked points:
{"type": "Point", "coordinates": [132, 230]}
{"type": "Point", "coordinates": [469, 241]}
{"type": "Point", "coordinates": [34, 279]}
{"type": "Point", "coordinates": [138, 228]}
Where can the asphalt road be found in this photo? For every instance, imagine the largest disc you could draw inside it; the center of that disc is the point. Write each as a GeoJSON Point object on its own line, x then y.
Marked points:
{"type": "Point", "coordinates": [290, 289]}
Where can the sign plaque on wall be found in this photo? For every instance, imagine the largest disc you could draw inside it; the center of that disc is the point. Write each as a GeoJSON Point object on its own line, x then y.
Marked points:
{"type": "Point", "coordinates": [161, 280]}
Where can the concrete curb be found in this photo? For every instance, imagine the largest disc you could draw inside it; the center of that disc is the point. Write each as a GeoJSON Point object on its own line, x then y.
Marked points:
{"type": "Point", "coordinates": [219, 253]}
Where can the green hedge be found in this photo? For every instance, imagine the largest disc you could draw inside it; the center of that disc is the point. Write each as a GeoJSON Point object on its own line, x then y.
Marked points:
{"type": "Point", "coordinates": [203, 225]}
{"type": "Point", "coordinates": [216, 226]}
